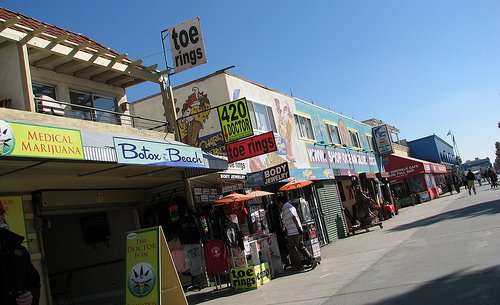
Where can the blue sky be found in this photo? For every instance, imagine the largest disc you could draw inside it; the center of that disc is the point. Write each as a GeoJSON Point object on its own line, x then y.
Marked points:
{"type": "Point", "coordinates": [422, 66]}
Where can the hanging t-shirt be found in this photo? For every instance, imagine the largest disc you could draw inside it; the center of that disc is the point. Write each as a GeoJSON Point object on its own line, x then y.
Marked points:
{"type": "Point", "coordinates": [195, 259]}
{"type": "Point", "coordinates": [189, 229]}
{"type": "Point", "coordinates": [232, 235]}
{"type": "Point", "coordinates": [237, 208]}
{"type": "Point", "coordinates": [216, 259]}
{"type": "Point", "coordinates": [177, 252]}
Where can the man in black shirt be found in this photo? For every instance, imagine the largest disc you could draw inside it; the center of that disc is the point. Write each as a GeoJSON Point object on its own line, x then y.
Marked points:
{"type": "Point", "coordinates": [470, 180]}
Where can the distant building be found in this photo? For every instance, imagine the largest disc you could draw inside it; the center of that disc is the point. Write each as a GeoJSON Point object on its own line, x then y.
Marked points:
{"type": "Point", "coordinates": [434, 149]}
{"type": "Point", "coordinates": [399, 146]}
{"type": "Point", "coordinates": [477, 165]}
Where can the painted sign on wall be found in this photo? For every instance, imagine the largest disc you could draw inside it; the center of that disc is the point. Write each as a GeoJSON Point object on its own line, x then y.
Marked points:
{"type": "Point", "coordinates": [138, 152]}
{"type": "Point", "coordinates": [26, 140]}
{"type": "Point", "coordinates": [186, 43]}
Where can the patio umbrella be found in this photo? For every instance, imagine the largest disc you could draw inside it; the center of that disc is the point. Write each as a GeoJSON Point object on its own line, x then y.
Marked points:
{"type": "Point", "coordinates": [233, 197]}
{"type": "Point", "coordinates": [295, 184]}
{"type": "Point", "coordinates": [258, 193]}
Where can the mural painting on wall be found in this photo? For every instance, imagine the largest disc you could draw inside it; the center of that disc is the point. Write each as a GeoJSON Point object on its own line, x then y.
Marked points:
{"type": "Point", "coordinates": [285, 127]}
{"type": "Point", "coordinates": [343, 133]}
{"type": "Point", "coordinates": [285, 152]}
{"type": "Point", "coordinates": [194, 114]}
{"type": "Point", "coordinates": [319, 125]}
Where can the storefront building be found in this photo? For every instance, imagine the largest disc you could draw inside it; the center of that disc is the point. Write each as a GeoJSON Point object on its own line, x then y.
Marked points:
{"type": "Point", "coordinates": [315, 143]}
{"type": "Point", "coordinates": [413, 180]}
{"type": "Point", "coordinates": [75, 167]}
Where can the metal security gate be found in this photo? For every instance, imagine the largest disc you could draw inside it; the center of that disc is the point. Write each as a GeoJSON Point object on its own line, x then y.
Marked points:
{"type": "Point", "coordinates": [331, 206]}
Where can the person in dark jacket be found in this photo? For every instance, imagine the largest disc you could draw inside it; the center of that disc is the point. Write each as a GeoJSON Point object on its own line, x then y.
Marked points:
{"type": "Point", "coordinates": [471, 178]}
{"type": "Point", "coordinates": [19, 280]}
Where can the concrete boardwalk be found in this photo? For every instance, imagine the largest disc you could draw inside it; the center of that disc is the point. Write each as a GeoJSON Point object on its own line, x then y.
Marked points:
{"type": "Point", "coordinates": [400, 263]}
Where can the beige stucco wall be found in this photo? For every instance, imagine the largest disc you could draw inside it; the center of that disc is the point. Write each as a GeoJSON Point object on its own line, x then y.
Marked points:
{"type": "Point", "coordinates": [13, 114]}
{"type": "Point", "coordinates": [10, 77]}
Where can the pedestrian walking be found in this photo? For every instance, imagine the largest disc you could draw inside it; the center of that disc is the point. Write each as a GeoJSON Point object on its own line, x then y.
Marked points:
{"type": "Point", "coordinates": [456, 183]}
{"type": "Point", "coordinates": [470, 179]}
{"type": "Point", "coordinates": [494, 179]}
{"type": "Point", "coordinates": [449, 185]}
{"type": "Point", "coordinates": [295, 236]}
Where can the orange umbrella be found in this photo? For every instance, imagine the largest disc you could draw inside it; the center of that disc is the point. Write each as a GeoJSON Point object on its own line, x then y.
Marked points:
{"type": "Point", "coordinates": [233, 197]}
{"type": "Point", "coordinates": [258, 193]}
{"type": "Point", "coordinates": [295, 184]}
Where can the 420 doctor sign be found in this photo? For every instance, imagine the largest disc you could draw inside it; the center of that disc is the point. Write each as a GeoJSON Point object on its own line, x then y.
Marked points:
{"type": "Point", "coordinates": [235, 120]}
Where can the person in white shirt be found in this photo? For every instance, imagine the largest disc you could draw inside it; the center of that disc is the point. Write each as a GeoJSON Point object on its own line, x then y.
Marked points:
{"type": "Point", "coordinates": [295, 235]}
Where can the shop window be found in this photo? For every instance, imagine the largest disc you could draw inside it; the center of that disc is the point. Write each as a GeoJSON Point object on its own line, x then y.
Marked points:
{"type": "Point", "coordinates": [47, 99]}
{"type": "Point", "coordinates": [369, 140]}
{"type": "Point", "coordinates": [355, 142]}
{"type": "Point", "coordinates": [304, 127]}
{"type": "Point", "coordinates": [41, 89]}
{"type": "Point", "coordinates": [333, 134]}
{"type": "Point", "coordinates": [416, 184]}
{"type": "Point", "coordinates": [431, 183]}
{"type": "Point", "coordinates": [261, 117]}
{"type": "Point", "coordinates": [93, 101]}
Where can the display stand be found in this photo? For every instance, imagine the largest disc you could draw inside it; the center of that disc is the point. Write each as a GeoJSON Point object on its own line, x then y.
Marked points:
{"type": "Point", "coordinates": [218, 283]}
{"type": "Point", "coordinates": [150, 272]}
{"type": "Point", "coordinates": [249, 278]}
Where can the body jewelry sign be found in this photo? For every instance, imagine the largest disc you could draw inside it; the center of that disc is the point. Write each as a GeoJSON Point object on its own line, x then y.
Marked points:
{"type": "Point", "coordinates": [130, 151]}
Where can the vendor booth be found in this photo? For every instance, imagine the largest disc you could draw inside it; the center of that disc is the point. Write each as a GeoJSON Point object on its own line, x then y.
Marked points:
{"type": "Point", "coordinates": [413, 180]}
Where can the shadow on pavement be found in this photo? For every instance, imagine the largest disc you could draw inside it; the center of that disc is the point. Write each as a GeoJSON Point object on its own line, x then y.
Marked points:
{"type": "Point", "coordinates": [463, 287]}
{"type": "Point", "coordinates": [480, 209]}
{"type": "Point", "coordinates": [209, 294]}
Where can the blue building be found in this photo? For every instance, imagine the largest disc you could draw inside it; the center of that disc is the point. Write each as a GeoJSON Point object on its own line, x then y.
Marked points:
{"type": "Point", "coordinates": [433, 149]}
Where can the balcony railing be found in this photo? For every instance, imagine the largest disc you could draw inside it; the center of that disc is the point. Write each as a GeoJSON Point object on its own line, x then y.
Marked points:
{"type": "Point", "coordinates": [68, 110]}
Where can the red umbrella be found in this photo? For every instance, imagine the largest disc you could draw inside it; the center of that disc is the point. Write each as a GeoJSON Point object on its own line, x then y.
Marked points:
{"type": "Point", "coordinates": [258, 193]}
{"type": "Point", "coordinates": [295, 184]}
{"type": "Point", "coordinates": [233, 197]}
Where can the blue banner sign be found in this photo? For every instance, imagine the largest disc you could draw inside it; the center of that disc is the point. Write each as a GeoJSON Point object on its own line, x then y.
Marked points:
{"type": "Point", "coordinates": [137, 152]}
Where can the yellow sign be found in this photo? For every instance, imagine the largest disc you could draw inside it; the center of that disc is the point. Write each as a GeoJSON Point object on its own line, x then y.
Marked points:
{"type": "Point", "coordinates": [14, 215]}
{"type": "Point", "coordinates": [151, 278]}
{"type": "Point", "coordinates": [235, 120]}
{"type": "Point", "coordinates": [249, 278]}
{"type": "Point", "coordinates": [27, 140]}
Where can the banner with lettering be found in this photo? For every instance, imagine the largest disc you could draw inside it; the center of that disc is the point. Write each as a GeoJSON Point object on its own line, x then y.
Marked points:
{"type": "Point", "coordinates": [151, 277]}
{"type": "Point", "coordinates": [248, 278]}
{"type": "Point", "coordinates": [26, 140]}
{"type": "Point", "coordinates": [139, 152]}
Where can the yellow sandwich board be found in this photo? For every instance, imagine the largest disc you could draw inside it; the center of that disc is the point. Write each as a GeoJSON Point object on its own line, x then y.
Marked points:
{"type": "Point", "coordinates": [151, 278]}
